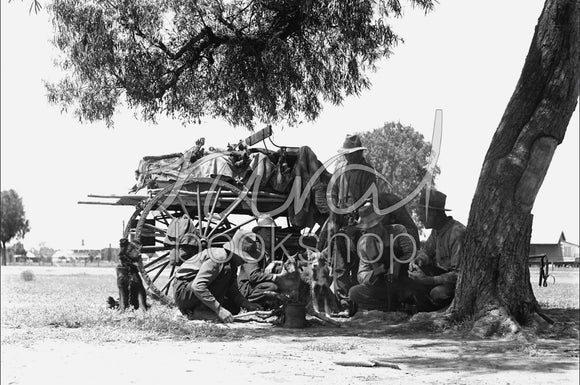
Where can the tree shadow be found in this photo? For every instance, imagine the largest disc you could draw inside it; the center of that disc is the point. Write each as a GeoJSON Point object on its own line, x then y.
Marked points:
{"type": "Point", "coordinates": [382, 325]}
{"type": "Point", "coordinates": [476, 364]}
{"type": "Point", "coordinates": [567, 324]}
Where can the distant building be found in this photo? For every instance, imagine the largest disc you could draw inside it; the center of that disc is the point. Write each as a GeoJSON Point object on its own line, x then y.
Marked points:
{"type": "Point", "coordinates": [33, 256]}
{"type": "Point", "coordinates": [62, 256]}
{"type": "Point", "coordinates": [562, 253]}
{"type": "Point", "coordinates": [86, 254]}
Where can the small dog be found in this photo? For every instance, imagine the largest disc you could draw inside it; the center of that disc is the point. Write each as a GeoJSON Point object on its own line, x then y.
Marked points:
{"type": "Point", "coordinates": [131, 289]}
{"type": "Point", "coordinates": [321, 295]}
{"type": "Point", "coordinates": [308, 280]}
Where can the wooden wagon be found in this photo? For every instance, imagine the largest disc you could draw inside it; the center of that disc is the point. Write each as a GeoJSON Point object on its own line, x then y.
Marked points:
{"type": "Point", "coordinates": [221, 190]}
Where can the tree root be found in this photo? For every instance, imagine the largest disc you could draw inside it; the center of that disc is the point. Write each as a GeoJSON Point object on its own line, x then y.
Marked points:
{"type": "Point", "coordinates": [495, 322]}
{"type": "Point", "coordinates": [544, 316]}
{"type": "Point", "coordinates": [492, 322]}
{"type": "Point", "coordinates": [433, 321]}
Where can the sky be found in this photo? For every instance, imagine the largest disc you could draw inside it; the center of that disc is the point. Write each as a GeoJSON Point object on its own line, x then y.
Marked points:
{"type": "Point", "coordinates": [465, 58]}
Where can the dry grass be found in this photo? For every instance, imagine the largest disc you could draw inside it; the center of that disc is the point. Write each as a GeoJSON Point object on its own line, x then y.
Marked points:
{"type": "Point", "coordinates": [563, 294]}
{"type": "Point", "coordinates": [69, 303]}
{"type": "Point", "coordinates": [73, 306]}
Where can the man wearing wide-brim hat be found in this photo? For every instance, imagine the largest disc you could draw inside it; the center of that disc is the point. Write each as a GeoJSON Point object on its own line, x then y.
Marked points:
{"type": "Point", "coordinates": [356, 176]}
{"type": "Point", "coordinates": [434, 270]}
{"type": "Point", "coordinates": [188, 246]}
{"type": "Point", "coordinates": [256, 283]}
{"type": "Point", "coordinates": [207, 282]}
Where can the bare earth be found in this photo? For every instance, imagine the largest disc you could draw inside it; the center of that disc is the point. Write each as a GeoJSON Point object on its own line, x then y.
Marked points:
{"type": "Point", "coordinates": [265, 354]}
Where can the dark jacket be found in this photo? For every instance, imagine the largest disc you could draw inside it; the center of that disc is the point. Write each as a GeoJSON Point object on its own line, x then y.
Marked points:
{"type": "Point", "coordinates": [202, 270]}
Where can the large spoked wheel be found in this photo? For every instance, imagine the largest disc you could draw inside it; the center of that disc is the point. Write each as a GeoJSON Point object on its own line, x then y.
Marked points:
{"type": "Point", "coordinates": [216, 208]}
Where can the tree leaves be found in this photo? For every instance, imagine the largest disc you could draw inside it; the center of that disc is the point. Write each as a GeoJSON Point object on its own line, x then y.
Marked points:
{"type": "Point", "coordinates": [400, 154]}
{"type": "Point", "coordinates": [246, 61]}
{"type": "Point", "coordinates": [14, 222]}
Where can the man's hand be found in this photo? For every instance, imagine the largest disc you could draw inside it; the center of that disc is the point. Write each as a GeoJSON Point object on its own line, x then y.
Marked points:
{"type": "Point", "coordinates": [225, 316]}
{"type": "Point", "coordinates": [414, 265]}
{"type": "Point", "coordinates": [272, 266]}
{"type": "Point", "coordinates": [249, 306]}
{"type": "Point", "coordinates": [420, 277]}
{"type": "Point", "coordinates": [379, 269]}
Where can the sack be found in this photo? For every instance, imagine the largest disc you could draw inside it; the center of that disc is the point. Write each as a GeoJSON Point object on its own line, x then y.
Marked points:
{"type": "Point", "coordinates": [177, 228]}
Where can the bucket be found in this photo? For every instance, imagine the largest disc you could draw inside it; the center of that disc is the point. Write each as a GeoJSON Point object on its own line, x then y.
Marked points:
{"type": "Point", "coordinates": [295, 316]}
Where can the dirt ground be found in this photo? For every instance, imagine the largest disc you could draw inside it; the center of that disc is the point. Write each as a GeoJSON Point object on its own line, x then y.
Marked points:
{"type": "Point", "coordinates": [94, 351]}
{"type": "Point", "coordinates": [261, 354]}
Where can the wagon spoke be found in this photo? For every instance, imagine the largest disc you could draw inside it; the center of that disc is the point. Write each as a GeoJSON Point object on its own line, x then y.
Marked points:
{"type": "Point", "coordinates": [217, 197]}
{"type": "Point", "coordinates": [155, 267]}
{"type": "Point", "coordinates": [166, 287]}
{"type": "Point", "coordinates": [234, 228]}
{"type": "Point", "coordinates": [161, 218]}
{"type": "Point", "coordinates": [228, 212]}
{"type": "Point", "coordinates": [157, 229]}
{"type": "Point", "coordinates": [160, 271]}
{"type": "Point", "coordinates": [156, 260]}
{"type": "Point", "coordinates": [199, 218]}
{"type": "Point", "coordinates": [165, 211]}
{"type": "Point", "coordinates": [147, 234]}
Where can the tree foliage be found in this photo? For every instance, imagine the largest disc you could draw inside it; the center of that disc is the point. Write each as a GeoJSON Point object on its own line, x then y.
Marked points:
{"type": "Point", "coordinates": [45, 251]}
{"type": "Point", "coordinates": [14, 222]}
{"type": "Point", "coordinates": [401, 154]}
{"type": "Point", "coordinates": [241, 60]}
{"type": "Point", "coordinates": [35, 6]}
{"type": "Point", "coordinates": [17, 249]}
{"type": "Point", "coordinates": [109, 254]}
{"type": "Point", "coordinates": [13, 219]}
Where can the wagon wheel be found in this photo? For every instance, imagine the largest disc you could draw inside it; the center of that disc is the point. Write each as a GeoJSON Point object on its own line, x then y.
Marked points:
{"type": "Point", "coordinates": [201, 199]}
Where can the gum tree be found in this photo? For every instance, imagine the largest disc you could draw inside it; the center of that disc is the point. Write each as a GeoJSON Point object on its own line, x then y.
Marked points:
{"type": "Point", "coordinates": [242, 60]}
{"type": "Point", "coordinates": [494, 283]}
{"type": "Point", "coordinates": [14, 223]}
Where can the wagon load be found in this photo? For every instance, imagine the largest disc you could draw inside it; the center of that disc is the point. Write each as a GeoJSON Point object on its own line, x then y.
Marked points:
{"type": "Point", "coordinates": [274, 171]}
{"type": "Point", "coordinates": [233, 163]}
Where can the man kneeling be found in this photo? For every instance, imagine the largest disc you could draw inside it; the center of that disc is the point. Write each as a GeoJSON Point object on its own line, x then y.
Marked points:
{"type": "Point", "coordinates": [207, 283]}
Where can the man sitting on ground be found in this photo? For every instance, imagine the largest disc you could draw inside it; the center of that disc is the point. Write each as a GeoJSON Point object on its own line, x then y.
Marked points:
{"type": "Point", "coordinates": [208, 280]}
{"type": "Point", "coordinates": [434, 270]}
{"type": "Point", "coordinates": [378, 280]}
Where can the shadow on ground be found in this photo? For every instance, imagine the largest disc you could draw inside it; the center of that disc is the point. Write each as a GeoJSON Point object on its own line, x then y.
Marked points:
{"type": "Point", "coordinates": [377, 324]}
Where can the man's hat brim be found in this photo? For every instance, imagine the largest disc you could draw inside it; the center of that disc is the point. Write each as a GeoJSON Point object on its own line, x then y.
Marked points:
{"type": "Point", "coordinates": [264, 227]}
{"type": "Point", "coordinates": [434, 208]}
{"type": "Point", "coordinates": [247, 257]}
{"type": "Point", "coordinates": [181, 256]}
{"type": "Point", "coordinates": [370, 221]}
{"type": "Point", "coordinates": [351, 150]}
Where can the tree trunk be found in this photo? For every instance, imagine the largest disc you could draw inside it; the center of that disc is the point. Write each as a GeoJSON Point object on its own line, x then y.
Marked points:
{"type": "Point", "coordinates": [494, 282]}
{"type": "Point", "coordinates": [3, 253]}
